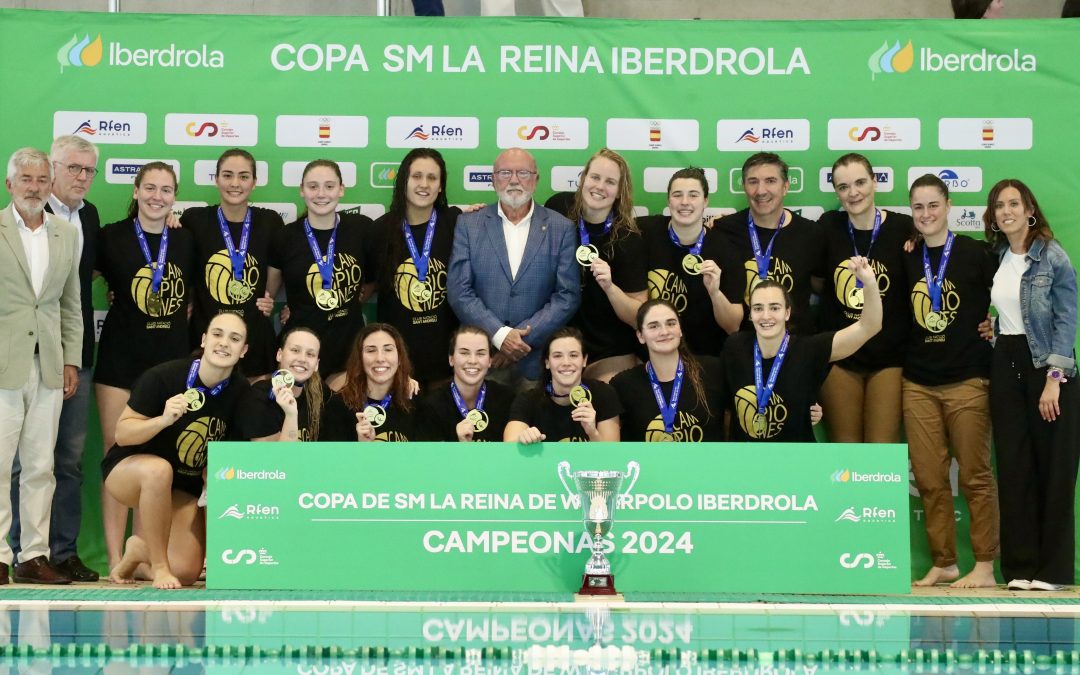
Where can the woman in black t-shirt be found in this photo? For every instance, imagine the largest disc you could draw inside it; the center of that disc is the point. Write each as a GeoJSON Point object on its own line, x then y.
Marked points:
{"type": "Point", "coordinates": [409, 253]}
{"type": "Point", "coordinates": [771, 377]}
{"type": "Point", "coordinates": [320, 259]}
{"type": "Point", "coordinates": [861, 395]}
{"type": "Point", "coordinates": [468, 407]}
{"type": "Point", "coordinates": [288, 405]}
{"type": "Point", "coordinates": [564, 407]}
{"type": "Point", "coordinates": [158, 465]}
{"type": "Point", "coordinates": [947, 385]}
{"type": "Point", "coordinates": [232, 247]}
{"type": "Point", "coordinates": [374, 403]}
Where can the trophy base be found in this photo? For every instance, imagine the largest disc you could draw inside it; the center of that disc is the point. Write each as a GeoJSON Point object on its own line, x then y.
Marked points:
{"type": "Point", "coordinates": [597, 585]}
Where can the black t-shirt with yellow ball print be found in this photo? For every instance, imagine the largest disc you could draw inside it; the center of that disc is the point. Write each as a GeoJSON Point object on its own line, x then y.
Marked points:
{"type": "Point", "coordinates": [695, 421]}
{"type": "Point", "coordinates": [183, 443]}
{"type": "Point", "coordinates": [420, 311]}
{"type": "Point", "coordinates": [947, 348]}
{"type": "Point", "coordinates": [259, 416]}
{"type": "Point", "coordinates": [667, 280]}
{"type": "Point", "coordinates": [788, 414]}
{"type": "Point", "coordinates": [536, 409]}
{"type": "Point", "coordinates": [215, 289]}
{"type": "Point", "coordinates": [841, 304]}
{"type": "Point", "coordinates": [340, 316]}
{"type": "Point", "coordinates": [139, 333]}
{"type": "Point", "coordinates": [797, 255]}
{"type": "Point", "coordinates": [339, 422]}
{"type": "Point", "coordinates": [441, 416]}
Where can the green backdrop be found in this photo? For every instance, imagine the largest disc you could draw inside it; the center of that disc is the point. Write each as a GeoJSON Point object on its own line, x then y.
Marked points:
{"type": "Point", "coordinates": [974, 101]}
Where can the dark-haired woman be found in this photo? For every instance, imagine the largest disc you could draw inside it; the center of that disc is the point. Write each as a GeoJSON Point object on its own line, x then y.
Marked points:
{"type": "Point", "coordinates": [320, 260]}
{"type": "Point", "coordinates": [1033, 397]}
{"type": "Point", "coordinates": [288, 405]}
{"type": "Point", "coordinates": [232, 247]}
{"type": "Point", "coordinates": [862, 393]}
{"type": "Point", "coordinates": [374, 403]}
{"type": "Point", "coordinates": [409, 255]}
{"type": "Point", "coordinates": [149, 270]}
{"type": "Point", "coordinates": [565, 407]}
{"type": "Point", "coordinates": [946, 385]}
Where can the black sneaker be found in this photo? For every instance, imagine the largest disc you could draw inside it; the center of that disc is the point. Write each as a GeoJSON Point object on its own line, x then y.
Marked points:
{"type": "Point", "coordinates": [77, 570]}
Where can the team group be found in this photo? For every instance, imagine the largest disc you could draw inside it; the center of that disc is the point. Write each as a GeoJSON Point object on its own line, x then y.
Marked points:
{"type": "Point", "coordinates": [571, 321]}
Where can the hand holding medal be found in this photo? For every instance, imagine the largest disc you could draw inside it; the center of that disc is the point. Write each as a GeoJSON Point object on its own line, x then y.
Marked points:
{"type": "Point", "coordinates": [364, 429]}
{"type": "Point", "coordinates": [281, 384]}
{"type": "Point", "coordinates": [584, 414]}
{"type": "Point", "coordinates": [175, 407]}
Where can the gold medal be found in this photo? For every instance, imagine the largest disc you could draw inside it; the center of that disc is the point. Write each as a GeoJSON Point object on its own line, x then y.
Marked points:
{"type": "Point", "coordinates": [478, 418]}
{"type": "Point", "coordinates": [195, 398]}
{"type": "Point", "coordinates": [238, 291]}
{"type": "Point", "coordinates": [761, 425]}
{"type": "Point", "coordinates": [935, 322]}
{"type": "Point", "coordinates": [375, 414]}
{"type": "Point", "coordinates": [667, 438]}
{"type": "Point", "coordinates": [154, 305]}
{"type": "Point", "coordinates": [586, 254]}
{"type": "Point", "coordinates": [579, 395]}
{"type": "Point", "coordinates": [326, 299]}
{"type": "Point", "coordinates": [856, 298]}
{"type": "Point", "coordinates": [691, 263]}
{"type": "Point", "coordinates": [282, 378]}
{"type": "Point", "coordinates": [421, 290]}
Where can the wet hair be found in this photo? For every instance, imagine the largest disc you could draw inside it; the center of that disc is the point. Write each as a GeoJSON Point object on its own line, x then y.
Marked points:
{"type": "Point", "coordinates": [354, 393]}
{"type": "Point", "coordinates": [929, 180]}
{"type": "Point", "coordinates": [394, 248]}
{"type": "Point", "coordinates": [852, 158]}
{"type": "Point", "coordinates": [468, 330]}
{"type": "Point", "coordinates": [559, 334]}
{"type": "Point", "coordinates": [692, 173]}
{"type": "Point", "coordinates": [623, 222]}
{"type": "Point", "coordinates": [764, 159]}
{"type": "Point", "coordinates": [1041, 228]}
{"type": "Point", "coordinates": [133, 207]}
{"type": "Point", "coordinates": [969, 9]}
{"type": "Point", "coordinates": [691, 366]}
{"type": "Point", "coordinates": [313, 388]}
{"type": "Point", "coordinates": [239, 152]}
{"type": "Point", "coordinates": [771, 283]}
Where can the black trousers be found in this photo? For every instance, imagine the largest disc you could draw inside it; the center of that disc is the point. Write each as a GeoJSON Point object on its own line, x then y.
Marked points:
{"type": "Point", "coordinates": [1036, 463]}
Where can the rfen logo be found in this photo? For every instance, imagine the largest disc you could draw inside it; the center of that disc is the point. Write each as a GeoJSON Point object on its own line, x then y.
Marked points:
{"type": "Point", "coordinates": [122, 171]}
{"type": "Point", "coordinates": [211, 129]}
{"type": "Point", "coordinates": [432, 132]}
{"type": "Point", "coordinates": [754, 135]}
{"type": "Point", "coordinates": [883, 176]}
{"type": "Point", "coordinates": [957, 178]}
{"type": "Point", "coordinates": [978, 133]}
{"type": "Point", "coordinates": [543, 133]}
{"type": "Point", "coordinates": [902, 133]}
{"type": "Point", "coordinates": [101, 127]}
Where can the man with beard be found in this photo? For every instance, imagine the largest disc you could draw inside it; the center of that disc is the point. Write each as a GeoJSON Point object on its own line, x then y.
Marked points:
{"type": "Point", "coordinates": [513, 271]}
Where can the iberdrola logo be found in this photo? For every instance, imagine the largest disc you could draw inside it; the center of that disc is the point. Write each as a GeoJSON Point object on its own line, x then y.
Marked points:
{"type": "Point", "coordinates": [891, 59]}
{"type": "Point", "coordinates": [79, 53]}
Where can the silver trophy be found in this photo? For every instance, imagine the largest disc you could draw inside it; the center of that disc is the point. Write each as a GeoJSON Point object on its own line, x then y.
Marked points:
{"type": "Point", "coordinates": [598, 492]}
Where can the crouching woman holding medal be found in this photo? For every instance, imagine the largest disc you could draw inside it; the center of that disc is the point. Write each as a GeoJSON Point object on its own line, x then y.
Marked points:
{"type": "Point", "coordinates": [564, 407]}
{"type": "Point", "coordinates": [157, 465]}
{"type": "Point", "coordinates": [374, 402]}
{"type": "Point", "coordinates": [289, 405]}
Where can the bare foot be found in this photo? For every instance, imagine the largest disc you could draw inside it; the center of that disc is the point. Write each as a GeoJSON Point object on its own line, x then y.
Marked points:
{"type": "Point", "coordinates": [135, 552]}
{"type": "Point", "coordinates": [981, 576]}
{"type": "Point", "coordinates": [938, 575]}
{"type": "Point", "coordinates": [164, 579]}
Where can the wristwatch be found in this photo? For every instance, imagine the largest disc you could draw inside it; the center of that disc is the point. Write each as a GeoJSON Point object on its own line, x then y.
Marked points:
{"type": "Point", "coordinates": [1057, 375]}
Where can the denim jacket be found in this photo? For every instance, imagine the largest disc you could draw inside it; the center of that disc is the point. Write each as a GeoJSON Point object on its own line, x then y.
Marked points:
{"type": "Point", "coordinates": [1048, 303]}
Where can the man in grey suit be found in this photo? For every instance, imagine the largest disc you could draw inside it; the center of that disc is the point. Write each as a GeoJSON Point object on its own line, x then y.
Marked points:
{"type": "Point", "coordinates": [40, 353]}
{"type": "Point", "coordinates": [513, 271]}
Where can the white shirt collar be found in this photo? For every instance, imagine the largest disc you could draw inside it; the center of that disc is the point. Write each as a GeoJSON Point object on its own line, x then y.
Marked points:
{"type": "Point", "coordinates": [526, 219]}
{"type": "Point", "coordinates": [22, 223]}
{"type": "Point", "coordinates": [61, 209]}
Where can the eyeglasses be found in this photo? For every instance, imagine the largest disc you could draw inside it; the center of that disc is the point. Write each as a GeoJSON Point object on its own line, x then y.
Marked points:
{"type": "Point", "coordinates": [522, 174]}
{"type": "Point", "coordinates": [76, 170]}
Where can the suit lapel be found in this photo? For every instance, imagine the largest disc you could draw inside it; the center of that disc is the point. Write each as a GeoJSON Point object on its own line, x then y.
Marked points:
{"type": "Point", "coordinates": [56, 242]}
{"type": "Point", "coordinates": [537, 235]}
{"type": "Point", "coordinates": [494, 230]}
{"type": "Point", "coordinates": [10, 232]}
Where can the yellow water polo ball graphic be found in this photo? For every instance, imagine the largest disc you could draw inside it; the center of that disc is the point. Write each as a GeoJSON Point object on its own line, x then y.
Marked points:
{"type": "Point", "coordinates": [171, 296]}
{"type": "Point", "coordinates": [922, 308]}
{"type": "Point", "coordinates": [667, 285]}
{"type": "Point", "coordinates": [776, 414]}
{"type": "Point", "coordinates": [345, 283]}
{"type": "Point", "coordinates": [779, 272]}
{"type": "Point", "coordinates": [846, 291]}
{"type": "Point", "coordinates": [221, 284]}
{"type": "Point", "coordinates": [191, 443]}
{"type": "Point", "coordinates": [687, 429]}
{"type": "Point", "coordinates": [416, 295]}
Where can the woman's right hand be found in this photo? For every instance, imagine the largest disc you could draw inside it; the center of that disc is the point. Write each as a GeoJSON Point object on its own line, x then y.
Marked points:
{"type": "Point", "coordinates": [530, 436]}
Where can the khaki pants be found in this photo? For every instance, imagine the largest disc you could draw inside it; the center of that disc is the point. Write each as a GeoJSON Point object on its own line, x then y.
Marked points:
{"type": "Point", "coordinates": [955, 416]}
{"type": "Point", "coordinates": [862, 407]}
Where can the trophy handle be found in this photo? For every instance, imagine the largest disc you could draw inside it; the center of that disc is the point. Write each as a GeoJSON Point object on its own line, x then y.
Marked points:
{"type": "Point", "coordinates": [633, 470]}
{"type": "Point", "coordinates": [564, 472]}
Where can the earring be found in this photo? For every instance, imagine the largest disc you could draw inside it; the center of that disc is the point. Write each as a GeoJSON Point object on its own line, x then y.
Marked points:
{"type": "Point", "coordinates": [1032, 221]}
{"type": "Point", "coordinates": [994, 227]}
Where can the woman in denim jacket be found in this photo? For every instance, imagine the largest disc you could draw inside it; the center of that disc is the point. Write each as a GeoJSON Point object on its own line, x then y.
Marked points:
{"type": "Point", "coordinates": [1033, 400]}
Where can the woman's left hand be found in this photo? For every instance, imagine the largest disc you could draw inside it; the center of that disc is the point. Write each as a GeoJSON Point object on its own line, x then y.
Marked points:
{"type": "Point", "coordinates": [1048, 402]}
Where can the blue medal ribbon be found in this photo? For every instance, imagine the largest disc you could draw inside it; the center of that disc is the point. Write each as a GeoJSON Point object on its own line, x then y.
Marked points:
{"type": "Point", "coordinates": [667, 410]}
{"type": "Point", "coordinates": [460, 402]}
{"type": "Point", "coordinates": [763, 259]}
{"type": "Point", "coordinates": [765, 390]}
{"type": "Point", "coordinates": [873, 238]}
{"type": "Point", "coordinates": [695, 249]}
{"type": "Point", "coordinates": [157, 268]}
{"type": "Point", "coordinates": [385, 403]}
{"type": "Point", "coordinates": [237, 256]}
{"type": "Point", "coordinates": [325, 263]}
{"type": "Point", "coordinates": [934, 283]}
{"type": "Point", "coordinates": [551, 392]}
{"type": "Point", "coordinates": [584, 233]}
{"type": "Point", "coordinates": [193, 373]}
{"type": "Point", "coordinates": [421, 259]}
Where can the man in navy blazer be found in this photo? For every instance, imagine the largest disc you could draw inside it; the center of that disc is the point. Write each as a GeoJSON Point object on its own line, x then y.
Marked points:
{"type": "Point", "coordinates": [512, 269]}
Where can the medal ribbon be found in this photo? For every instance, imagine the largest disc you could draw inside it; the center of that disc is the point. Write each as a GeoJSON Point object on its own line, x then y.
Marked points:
{"type": "Point", "coordinates": [158, 268]}
{"type": "Point", "coordinates": [324, 263]}
{"type": "Point", "coordinates": [934, 284]}
{"type": "Point", "coordinates": [385, 403]}
{"type": "Point", "coordinates": [237, 256]}
{"type": "Point", "coordinates": [194, 371]}
{"type": "Point", "coordinates": [763, 259]}
{"type": "Point", "coordinates": [667, 411]}
{"type": "Point", "coordinates": [551, 391]}
{"type": "Point", "coordinates": [270, 394]}
{"type": "Point", "coordinates": [584, 233]}
{"type": "Point", "coordinates": [695, 249]}
{"type": "Point", "coordinates": [420, 260]}
{"type": "Point", "coordinates": [873, 238]}
{"type": "Point", "coordinates": [460, 402]}
{"type": "Point", "coordinates": [765, 391]}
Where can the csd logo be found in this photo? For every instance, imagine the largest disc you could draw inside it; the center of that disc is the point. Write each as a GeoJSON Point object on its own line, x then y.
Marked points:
{"type": "Point", "coordinates": [208, 128]}
{"type": "Point", "coordinates": [864, 560]}
{"type": "Point", "coordinates": [540, 133]}
{"type": "Point", "coordinates": [872, 132]}
{"type": "Point", "coordinates": [244, 556]}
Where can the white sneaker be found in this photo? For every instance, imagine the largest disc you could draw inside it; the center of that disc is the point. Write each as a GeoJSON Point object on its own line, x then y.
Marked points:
{"type": "Point", "coordinates": [1037, 585]}
{"type": "Point", "coordinates": [1019, 585]}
